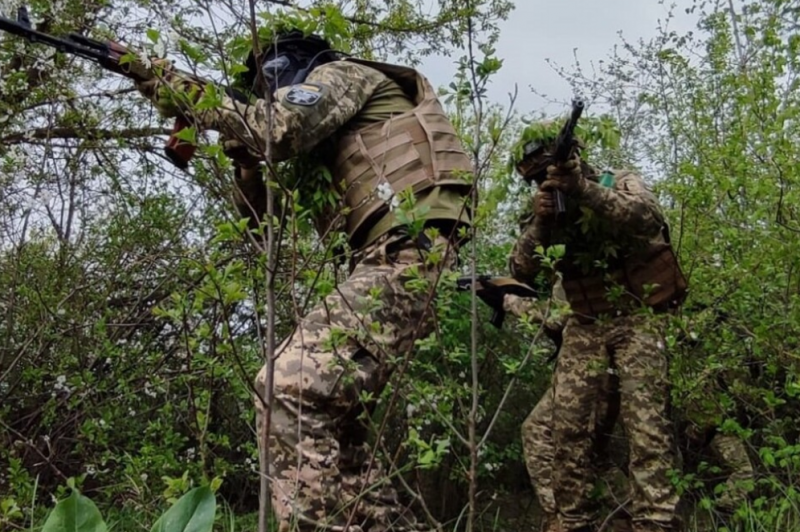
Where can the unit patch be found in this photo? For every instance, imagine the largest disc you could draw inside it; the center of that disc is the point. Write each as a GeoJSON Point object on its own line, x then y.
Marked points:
{"type": "Point", "coordinates": [305, 94]}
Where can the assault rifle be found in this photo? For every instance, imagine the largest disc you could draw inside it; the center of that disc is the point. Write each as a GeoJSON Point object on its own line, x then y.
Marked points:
{"type": "Point", "coordinates": [564, 147]}
{"type": "Point", "coordinates": [109, 55]}
{"type": "Point", "coordinates": [492, 291]}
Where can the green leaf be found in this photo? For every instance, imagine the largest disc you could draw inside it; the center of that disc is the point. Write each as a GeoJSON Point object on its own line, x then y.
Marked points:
{"type": "Point", "coordinates": [153, 35]}
{"type": "Point", "coordinates": [187, 134]}
{"type": "Point", "coordinates": [76, 513]}
{"type": "Point", "coordinates": [194, 512]}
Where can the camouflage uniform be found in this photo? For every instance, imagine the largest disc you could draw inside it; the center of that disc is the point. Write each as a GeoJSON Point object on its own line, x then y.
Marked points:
{"type": "Point", "coordinates": [699, 434]}
{"type": "Point", "coordinates": [731, 453]}
{"type": "Point", "coordinates": [318, 449]}
{"type": "Point", "coordinates": [621, 211]}
{"type": "Point", "coordinates": [537, 441]}
{"type": "Point", "coordinates": [359, 119]}
{"type": "Point", "coordinates": [537, 437]}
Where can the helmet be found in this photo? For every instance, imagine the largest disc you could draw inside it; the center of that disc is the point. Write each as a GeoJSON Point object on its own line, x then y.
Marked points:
{"type": "Point", "coordinates": [288, 60]}
{"type": "Point", "coordinates": [538, 151]}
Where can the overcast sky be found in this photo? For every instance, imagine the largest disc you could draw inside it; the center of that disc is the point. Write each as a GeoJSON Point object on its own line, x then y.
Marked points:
{"type": "Point", "coordinates": [557, 30]}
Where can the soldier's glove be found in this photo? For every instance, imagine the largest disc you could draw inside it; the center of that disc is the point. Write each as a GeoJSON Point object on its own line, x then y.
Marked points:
{"type": "Point", "coordinates": [544, 204]}
{"type": "Point", "coordinates": [170, 93]}
{"type": "Point", "coordinates": [238, 150]}
{"type": "Point", "coordinates": [566, 177]}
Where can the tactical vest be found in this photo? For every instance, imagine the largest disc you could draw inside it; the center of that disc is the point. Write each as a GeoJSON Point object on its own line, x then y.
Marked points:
{"type": "Point", "coordinates": [651, 277]}
{"type": "Point", "coordinates": [418, 149]}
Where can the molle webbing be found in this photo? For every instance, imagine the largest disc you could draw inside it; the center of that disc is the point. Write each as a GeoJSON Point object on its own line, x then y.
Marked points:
{"type": "Point", "coordinates": [416, 149]}
{"type": "Point", "coordinates": [588, 294]}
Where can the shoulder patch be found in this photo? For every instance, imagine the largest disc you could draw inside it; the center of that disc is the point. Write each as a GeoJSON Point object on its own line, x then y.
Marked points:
{"type": "Point", "coordinates": [305, 94]}
{"type": "Point", "coordinates": [607, 179]}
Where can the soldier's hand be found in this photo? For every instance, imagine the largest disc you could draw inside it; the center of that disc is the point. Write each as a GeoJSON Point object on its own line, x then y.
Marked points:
{"type": "Point", "coordinates": [168, 88]}
{"type": "Point", "coordinates": [566, 177]}
{"type": "Point", "coordinates": [239, 152]}
{"type": "Point", "coordinates": [544, 203]}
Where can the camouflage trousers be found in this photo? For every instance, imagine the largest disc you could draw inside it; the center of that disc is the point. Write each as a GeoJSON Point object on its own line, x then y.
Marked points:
{"type": "Point", "coordinates": [731, 453]}
{"type": "Point", "coordinates": [633, 348]}
{"type": "Point", "coordinates": [342, 351]}
{"type": "Point", "coordinates": [539, 449]}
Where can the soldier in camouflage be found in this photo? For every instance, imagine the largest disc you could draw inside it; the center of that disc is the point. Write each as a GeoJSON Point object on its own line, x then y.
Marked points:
{"type": "Point", "coordinates": [699, 436]}
{"type": "Point", "coordinates": [537, 436]}
{"type": "Point", "coordinates": [619, 274]}
{"type": "Point", "coordinates": [380, 130]}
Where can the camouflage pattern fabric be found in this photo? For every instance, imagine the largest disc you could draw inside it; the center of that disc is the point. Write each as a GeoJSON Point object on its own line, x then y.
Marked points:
{"type": "Point", "coordinates": [605, 223]}
{"type": "Point", "coordinates": [539, 448]}
{"type": "Point", "coordinates": [731, 453]}
{"type": "Point", "coordinates": [626, 213]}
{"type": "Point", "coordinates": [632, 347]}
{"type": "Point", "coordinates": [343, 348]}
{"type": "Point", "coordinates": [346, 345]}
{"type": "Point", "coordinates": [539, 451]}
{"type": "Point", "coordinates": [296, 128]}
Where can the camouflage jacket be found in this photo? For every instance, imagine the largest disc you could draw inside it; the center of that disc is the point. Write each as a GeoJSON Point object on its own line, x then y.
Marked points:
{"type": "Point", "coordinates": [337, 90]}
{"type": "Point", "coordinates": [604, 223]}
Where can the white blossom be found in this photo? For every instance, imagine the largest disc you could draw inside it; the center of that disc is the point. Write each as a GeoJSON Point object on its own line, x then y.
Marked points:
{"type": "Point", "coordinates": [384, 191]}
{"type": "Point", "coordinates": [144, 59]}
{"type": "Point", "coordinates": [160, 48]}
{"type": "Point", "coordinates": [148, 391]}
{"type": "Point", "coordinates": [61, 386]}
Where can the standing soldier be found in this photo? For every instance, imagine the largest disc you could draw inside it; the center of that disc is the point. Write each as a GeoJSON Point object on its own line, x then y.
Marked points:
{"type": "Point", "coordinates": [619, 272]}
{"type": "Point", "coordinates": [380, 130]}
{"type": "Point", "coordinates": [537, 429]}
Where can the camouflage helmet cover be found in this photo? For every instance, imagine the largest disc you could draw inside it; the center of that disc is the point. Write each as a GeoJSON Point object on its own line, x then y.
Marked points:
{"type": "Point", "coordinates": [538, 151]}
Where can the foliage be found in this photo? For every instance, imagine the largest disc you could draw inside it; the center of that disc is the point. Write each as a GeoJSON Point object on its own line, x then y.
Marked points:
{"type": "Point", "coordinates": [133, 310]}
{"type": "Point", "coordinates": [193, 512]}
